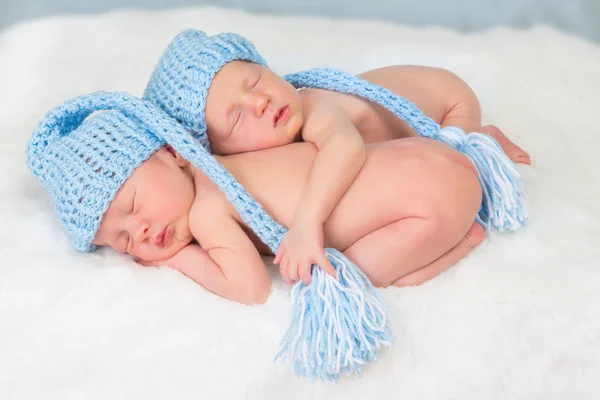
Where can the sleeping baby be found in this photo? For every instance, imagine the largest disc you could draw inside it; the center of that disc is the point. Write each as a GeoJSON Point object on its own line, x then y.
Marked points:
{"type": "Point", "coordinates": [248, 107]}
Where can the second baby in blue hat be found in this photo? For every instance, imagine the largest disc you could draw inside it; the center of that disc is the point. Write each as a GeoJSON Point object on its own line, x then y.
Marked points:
{"type": "Point", "coordinates": [220, 88]}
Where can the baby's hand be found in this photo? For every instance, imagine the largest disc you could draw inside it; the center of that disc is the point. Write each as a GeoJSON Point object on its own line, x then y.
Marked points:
{"type": "Point", "coordinates": [301, 247]}
{"type": "Point", "coordinates": [150, 263]}
{"type": "Point", "coordinates": [169, 262]}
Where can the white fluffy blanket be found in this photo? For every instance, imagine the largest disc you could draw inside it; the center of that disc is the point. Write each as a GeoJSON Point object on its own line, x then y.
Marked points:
{"type": "Point", "coordinates": [519, 318]}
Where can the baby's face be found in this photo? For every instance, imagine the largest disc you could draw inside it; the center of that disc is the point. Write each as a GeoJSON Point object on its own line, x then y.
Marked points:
{"type": "Point", "coordinates": [250, 108]}
{"type": "Point", "coordinates": [148, 217]}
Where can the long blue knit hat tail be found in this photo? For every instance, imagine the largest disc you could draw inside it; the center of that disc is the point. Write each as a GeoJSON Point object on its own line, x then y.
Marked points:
{"type": "Point", "coordinates": [504, 205]}
{"type": "Point", "coordinates": [180, 82]}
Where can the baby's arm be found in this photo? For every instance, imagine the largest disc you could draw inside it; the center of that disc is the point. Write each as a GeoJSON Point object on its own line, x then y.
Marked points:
{"type": "Point", "coordinates": [227, 264]}
{"type": "Point", "coordinates": [340, 157]}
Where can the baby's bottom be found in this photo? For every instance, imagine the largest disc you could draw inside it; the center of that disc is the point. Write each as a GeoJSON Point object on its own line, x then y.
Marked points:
{"type": "Point", "coordinates": [414, 246]}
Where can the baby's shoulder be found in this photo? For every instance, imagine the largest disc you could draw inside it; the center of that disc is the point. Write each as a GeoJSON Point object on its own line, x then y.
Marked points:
{"type": "Point", "coordinates": [209, 208]}
{"type": "Point", "coordinates": [214, 221]}
{"type": "Point", "coordinates": [324, 110]}
{"type": "Point", "coordinates": [319, 105]}
{"type": "Point", "coordinates": [312, 98]}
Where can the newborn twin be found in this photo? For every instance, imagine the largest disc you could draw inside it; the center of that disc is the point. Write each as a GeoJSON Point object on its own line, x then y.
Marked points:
{"type": "Point", "coordinates": [377, 166]}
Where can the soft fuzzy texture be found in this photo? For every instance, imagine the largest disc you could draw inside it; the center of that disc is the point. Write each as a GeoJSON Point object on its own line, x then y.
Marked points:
{"type": "Point", "coordinates": [518, 318]}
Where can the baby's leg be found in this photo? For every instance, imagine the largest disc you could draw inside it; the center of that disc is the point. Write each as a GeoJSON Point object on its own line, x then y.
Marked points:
{"type": "Point", "coordinates": [464, 112]}
{"type": "Point", "coordinates": [412, 250]}
{"type": "Point", "coordinates": [472, 239]}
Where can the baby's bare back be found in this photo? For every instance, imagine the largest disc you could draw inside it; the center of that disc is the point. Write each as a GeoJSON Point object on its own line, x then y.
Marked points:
{"type": "Point", "coordinates": [413, 177]}
{"type": "Point", "coordinates": [438, 93]}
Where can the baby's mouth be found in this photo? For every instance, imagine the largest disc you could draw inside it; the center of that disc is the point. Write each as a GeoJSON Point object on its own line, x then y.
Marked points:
{"type": "Point", "coordinates": [281, 115]}
{"type": "Point", "coordinates": [162, 240]}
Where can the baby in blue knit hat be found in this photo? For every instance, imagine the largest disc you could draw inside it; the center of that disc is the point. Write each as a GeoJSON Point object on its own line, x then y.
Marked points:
{"type": "Point", "coordinates": [168, 206]}
{"type": "Point", "coordinates": [221, 86]}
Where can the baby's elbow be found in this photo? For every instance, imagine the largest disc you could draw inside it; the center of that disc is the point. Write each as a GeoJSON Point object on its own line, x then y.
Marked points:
{"type": "Point", "coordinates": [260, 297]}
{"type": "Point", "coordinates": [358, 150]}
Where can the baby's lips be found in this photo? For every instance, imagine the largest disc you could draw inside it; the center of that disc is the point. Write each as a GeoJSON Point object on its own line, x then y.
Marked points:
{"type": "Point", "coordinates": [163, 239]}
{"type": "Point", "coordinates": [277, 114]}
{"type": "Point", "coordinates": [159, 239]}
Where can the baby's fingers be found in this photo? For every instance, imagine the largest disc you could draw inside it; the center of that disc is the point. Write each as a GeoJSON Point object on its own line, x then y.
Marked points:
{"type": "Point", "coordinates": [293, 271]}
{"type": "Point", "coordinates": [288, 272]}
{"type": "Point", "coordinates": [305, 270]}
{"type": "Point", "coordinates": [283, 270]}
{"type": "Point", "coordinates": [278, 256]}
{"type": "Point", "coordinates": [146, 263]}
{"type": "Point", "coordinates": [326, 265]}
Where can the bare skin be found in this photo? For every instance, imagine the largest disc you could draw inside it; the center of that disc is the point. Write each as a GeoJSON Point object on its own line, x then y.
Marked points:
{"type": "Point", "coordinates": [439, 93]}
{"type": "Point", "coordinates": [244, 114]}
{"type": "Point", "coordinates": [400, 229]}
{"type": "Point", "coordinates": [390, 224]}
{"type": "Point", "coordinates": [372, 221]}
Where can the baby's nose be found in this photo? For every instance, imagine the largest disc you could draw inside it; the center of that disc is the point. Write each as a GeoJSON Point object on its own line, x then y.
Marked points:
{"type": "Point", "coordinates": [141, 231]}
{"type": "Point", "coordinates": [258, 103]}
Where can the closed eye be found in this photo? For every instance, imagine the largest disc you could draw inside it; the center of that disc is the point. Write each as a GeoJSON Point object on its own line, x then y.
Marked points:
{"type": "Point", "coordinates": [124, 241]}
{"type": "Point", "coordinates": [236, 121]}
{"type": "Point", "coordinates": [133, 203]}
{"type": "Point", "coordinates": [256, 82]}
{"type": "Point", "coordinates": [129, 244]}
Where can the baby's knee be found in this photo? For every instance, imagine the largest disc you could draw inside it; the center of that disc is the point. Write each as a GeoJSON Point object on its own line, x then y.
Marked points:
{"type": "Point", "coordinates": [458, 202]}
{"type": "Point", "coordinates": [452, 223]}
{"type": "Point", "coordinates": [463, 108]}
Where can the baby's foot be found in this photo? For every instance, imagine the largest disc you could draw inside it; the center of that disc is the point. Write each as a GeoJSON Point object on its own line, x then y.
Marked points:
{"type": "Point", "coordinates": [514, 152]}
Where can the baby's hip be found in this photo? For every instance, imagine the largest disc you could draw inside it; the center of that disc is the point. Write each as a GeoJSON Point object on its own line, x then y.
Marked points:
{"type": "Point", "coordinates": [413, 177]}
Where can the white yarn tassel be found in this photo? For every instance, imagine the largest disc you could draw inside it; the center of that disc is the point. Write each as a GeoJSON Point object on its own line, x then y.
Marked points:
{"type": "Point", "coordinates": [338, 325]}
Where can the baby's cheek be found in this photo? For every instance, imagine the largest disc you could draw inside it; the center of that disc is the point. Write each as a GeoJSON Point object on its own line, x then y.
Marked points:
{"type": "Point", "coordinates": [255, 138]}
{"type": "Point", "coordinates": [260, 142]}
{"type": "Point", "coordinates": [146, 254]}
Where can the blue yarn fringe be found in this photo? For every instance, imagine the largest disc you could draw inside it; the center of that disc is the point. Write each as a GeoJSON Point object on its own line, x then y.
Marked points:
{"type": "Point", "coordinates": [338, 325]}
{"type": "Point", "coordinates": [504, 205]}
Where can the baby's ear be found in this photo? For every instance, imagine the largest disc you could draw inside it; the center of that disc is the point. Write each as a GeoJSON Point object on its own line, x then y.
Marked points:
{"type": "Point", "coordinates": [182, 162]}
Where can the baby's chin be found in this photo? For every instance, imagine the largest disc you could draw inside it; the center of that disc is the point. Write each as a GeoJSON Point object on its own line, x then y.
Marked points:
{"type": "Point", "coordinates": [161, 255]}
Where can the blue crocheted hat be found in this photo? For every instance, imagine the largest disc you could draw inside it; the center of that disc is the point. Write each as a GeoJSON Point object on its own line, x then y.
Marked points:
{"type": "Point", "coordinates": [82, 162]}
{"type": "Point", "coordinates": [180, 81]}
{"type": "Point", "coordinates": [83, 159]}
